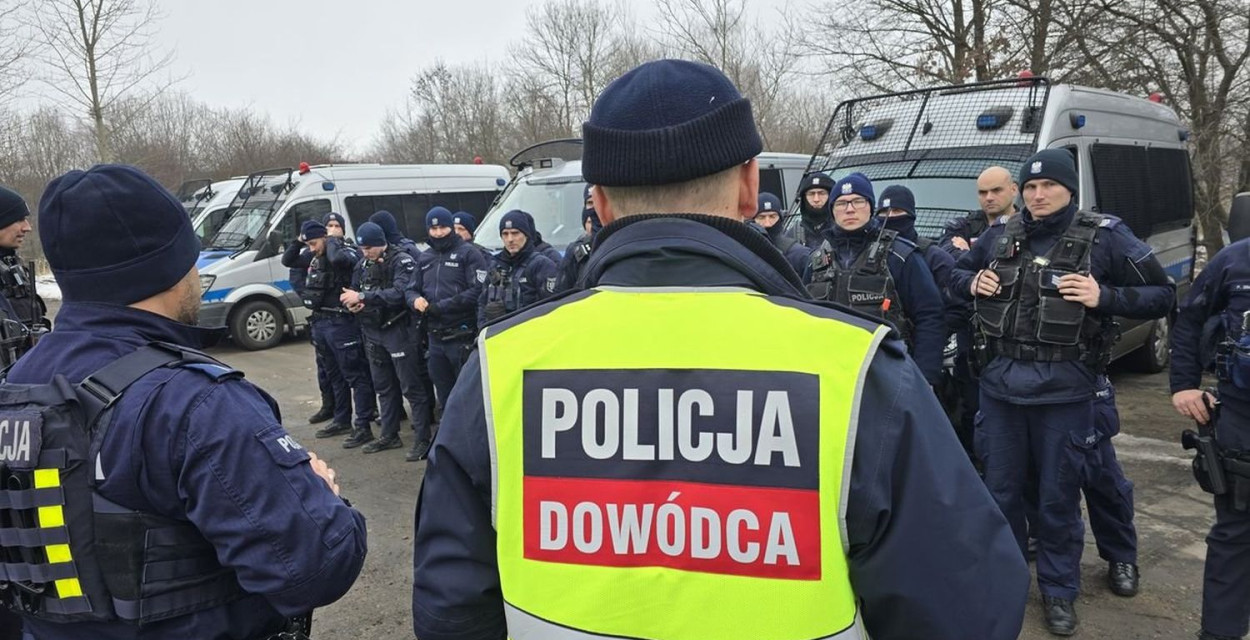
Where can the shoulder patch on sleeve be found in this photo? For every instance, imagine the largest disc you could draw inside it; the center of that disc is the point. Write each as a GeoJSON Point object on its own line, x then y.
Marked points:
{"type": "Point", "coordinates": [214, 371]}
{"type": "Point", "coordinates": [282, 447]}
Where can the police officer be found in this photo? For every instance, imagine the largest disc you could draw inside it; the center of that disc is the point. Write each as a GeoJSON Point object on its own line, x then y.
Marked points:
{"type": "Point", "coordinates": [997, 192]}
{"type": "Point", "coordinates": [814, 209]}
{"type": "Point", "coordinates": [465, 227]}
{"type": "Point", "coordinates": [1220, 298]}
{"type": "Point", "coordinates": [642, 440]}
{"type": "Point", "coordinates": [335, 330]}
{"type": "Point", "coordinates": [19, 303]}
{"type": "Point", "coordinates": [519, 275]}
{"type": "Point", "coordinates": [336, 227]}
{"type": "Point", "coordinates": [296, 259]}
{"type": "Point", "coordinates": [577, 254]}
{"type": "Point", "coordinates": [768, 216]}
{"type": "Point", "coordinates": [378, 296]}
{"type": "Point", "coordinates": [868, 267]}
{"type": "Point", "coordinates": [542, 246]}
{"type": "Point", "coordinates": [446, 289]}
{"type": "Point", "coordinates": [1047, 285]}
{"type": "Point", "coordinates": [394, 236]}
{"type": "Point", "coordinates": [250, 529]}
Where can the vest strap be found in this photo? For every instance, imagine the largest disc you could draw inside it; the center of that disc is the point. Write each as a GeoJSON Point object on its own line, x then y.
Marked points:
{"type": "Point", "coordinates": [1036, 352]}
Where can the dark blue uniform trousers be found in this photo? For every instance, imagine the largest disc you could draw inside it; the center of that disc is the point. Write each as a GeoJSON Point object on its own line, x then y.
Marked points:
{"type": "Point", "coordinates": [1226, 580]}
{"type": "Point", "coordinates": [394, 357]}
{"type": "Point", "coordinates": [339, 345]}
{"type": "Point", "coordinates": [446, 359]}
{"type": "Point", "coordinates": [1057, 438]}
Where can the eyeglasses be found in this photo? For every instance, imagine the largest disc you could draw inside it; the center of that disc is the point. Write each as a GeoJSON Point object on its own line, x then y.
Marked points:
{"type": "Point", "coordinates": [857, 203]}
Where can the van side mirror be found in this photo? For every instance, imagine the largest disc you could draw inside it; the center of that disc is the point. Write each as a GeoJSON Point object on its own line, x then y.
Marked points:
{"type": "Point", "coordinates": [1239, 217]}
{"type": "Point", "coordinates": [271, 246]}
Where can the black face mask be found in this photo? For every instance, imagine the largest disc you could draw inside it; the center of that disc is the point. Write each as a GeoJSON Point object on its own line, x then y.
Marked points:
{"type": "Point", "coordinates": [443, 244]}
{"type": "Point", "coordinates": [905, 226]}
{"type": "Point", "coordinates": [595, 224]}
{"type": "Point", "coordinates": [816, 218]}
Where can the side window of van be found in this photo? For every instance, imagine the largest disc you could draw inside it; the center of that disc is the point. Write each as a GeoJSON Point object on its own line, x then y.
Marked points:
{"type": "Point", "coordinates": [1149, 188]}
{"type": "Point", "coordinates": [770, 182]}
{"type": "Point", "coordinates": [297, 214]}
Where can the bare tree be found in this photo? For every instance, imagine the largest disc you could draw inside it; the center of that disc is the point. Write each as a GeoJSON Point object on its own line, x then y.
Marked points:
{"type": "Point", "coordinates": [98, 53]}
{"type": "Point", "coordinates": [14, 48]}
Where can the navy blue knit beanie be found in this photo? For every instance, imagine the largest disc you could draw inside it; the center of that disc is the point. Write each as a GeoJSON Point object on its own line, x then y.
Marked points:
{"type": "Point", "coordinates": [896, 196]}
{"type": "Point", "coordinates": [312, 229]}
{"type": "Point", "coordinates": [1051, 164]}
{"type": "Point", "coordinates": [466, 220]}
{"type": "Point", "coordinates": [112, 234]}
{"type": "Point", "coordinates": [815, 181]}
{"type": "Point", "coordinates": [385, 220]}
{"type": "Point", "coordinates": [768, 202]}
{"type": "Point", "coordinates": [12, 207]}
{"type": "Point", "coordinates": [855, 183]}
{"type": "Point", "coordinates": [438, 217]}
{"type": "Point", "coordinates": [370, 235]}
{"type": "Point", "coordinates": [334, 217]}
{"type": "Point", "coordinates": [519, 220]}
{"type": "Point", "coordinates": [667, 121]}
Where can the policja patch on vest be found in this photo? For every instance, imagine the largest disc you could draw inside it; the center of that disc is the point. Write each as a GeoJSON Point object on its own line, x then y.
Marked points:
{"type": "Point", "coordinates": [703, 470]}
{"type": "Point", "coordinates": [21, 438]}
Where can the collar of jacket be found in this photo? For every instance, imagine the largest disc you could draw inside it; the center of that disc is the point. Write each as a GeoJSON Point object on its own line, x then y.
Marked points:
{"type": "Point", "coordinates": [1052, 225]}
{"type": "Point", "coordinates": [132, 325]}
{"type": "Point", "coordinates": [689, 249]}
{"type": "Point", "coordinates": [518, 258]}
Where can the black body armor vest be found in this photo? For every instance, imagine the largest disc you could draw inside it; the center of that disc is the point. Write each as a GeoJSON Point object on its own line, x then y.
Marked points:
{"type": "Point", "coordinates": [866, 285]}
{"type": "Point", "coordinates": [321, 289]}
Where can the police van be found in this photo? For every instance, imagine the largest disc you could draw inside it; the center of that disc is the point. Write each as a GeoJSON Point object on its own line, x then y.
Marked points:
{"type": "Point", "coordinates": [246, 288]}
{"type": "Point", "coordinates": [213, 207]}
{"type": "Point", "coordinates": [549, 186]}
{"type": "Point", "coordinates": [1130, 154]}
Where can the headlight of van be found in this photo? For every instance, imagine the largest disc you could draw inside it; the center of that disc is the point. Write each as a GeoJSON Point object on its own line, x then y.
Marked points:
{"type": "Point", "coordinates": [206, 282]}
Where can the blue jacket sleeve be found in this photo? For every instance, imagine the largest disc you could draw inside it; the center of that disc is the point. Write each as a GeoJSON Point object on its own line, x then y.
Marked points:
{"type": "Point", "coordinates": [1138, 286]}
{"type": "Point", "coordinates": [941, 264]}
{"type": "Point", "coordinates": [394, 296]}
{"type": "Point", "coordinates": [416, 284]}
{"type": "Point", "coordinates": [339, 254]}
{"type": "Point", "coordinates": [1206, 299]}
{"type": "Point", "coordinates": [292, 258]}
{"type": "Point", "coordinates": [956, 228]}
{"type": "Point", "coordinates": [798, 257]}
{"type": "Point", "coordinates": [542, 276]}
{"type": "Point", "coordinates": [455, 586]}
{"type": "Point", "coordinates": [931, 556]}
{"type": "Point", "coordinates": [924, 307]}
{"type": "Point", "coordinates": [249, 488]}
{"type": "Point", "coordinates": [971, 262]}
{"type": "Point", "coordinates": [464, 301]}
{"type": "Point", "coordinates": [567, 278]}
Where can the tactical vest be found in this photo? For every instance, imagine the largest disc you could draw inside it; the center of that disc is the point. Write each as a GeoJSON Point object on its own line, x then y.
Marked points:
{"type": "Point", "coordinates": [978, 222]}
{"type": "Point", "coordinates": [659, 485]}
{"type": "Point", "coordinates": [376, 276]}
{"type": "Point", "coordinates": [1029, 319]}
{"type": "Point", "coordinates": [505, 291]}
{"type": "Point", "coordinates": [865, 285]}
{"type": "Point", "coordinates": [321, 289]}
{"type": "Point", "coordinates": [18, 287]}
{"type": "Point", "coordinates": [69, 554]}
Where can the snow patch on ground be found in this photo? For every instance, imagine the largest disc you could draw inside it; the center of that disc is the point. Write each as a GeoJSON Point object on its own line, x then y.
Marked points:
{"type": "Point", "coordinates": [47, 288]}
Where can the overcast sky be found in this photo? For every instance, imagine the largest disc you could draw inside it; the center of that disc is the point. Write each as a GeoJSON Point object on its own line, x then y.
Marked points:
{"type": "Point", "coordinates": [335, 67]}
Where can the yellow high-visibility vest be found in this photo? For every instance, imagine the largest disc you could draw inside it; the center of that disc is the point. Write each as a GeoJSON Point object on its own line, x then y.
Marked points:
{"type": "Point", "coordinates": [661, 471]}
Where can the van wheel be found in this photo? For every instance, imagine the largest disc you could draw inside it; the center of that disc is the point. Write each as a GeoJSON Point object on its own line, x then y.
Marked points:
{"type": "Point", "coordinates": [1153, 356]}
{"type": "Point", "coordinates": [257, 325]}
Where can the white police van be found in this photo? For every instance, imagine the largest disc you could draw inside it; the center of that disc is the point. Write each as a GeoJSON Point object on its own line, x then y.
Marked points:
{"type": "Point", "coordinates": [1130, 153]}
{"type": "Point", "coordinates": [211, 213]}
{"type": "Point", "coordinates": [246, 288]}
{"type": "Point", "coordinates": [549, 186]}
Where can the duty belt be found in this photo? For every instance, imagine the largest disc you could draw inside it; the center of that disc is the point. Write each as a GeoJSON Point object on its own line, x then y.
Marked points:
{"type": "Point", "coordinates": [327, 312]}
{"type": "Point", "coordinates": [1036, 352]}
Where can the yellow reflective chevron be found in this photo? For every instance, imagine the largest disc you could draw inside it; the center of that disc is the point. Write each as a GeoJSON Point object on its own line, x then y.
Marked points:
{"type": "Point", "coordinates": [575, 583]}
{"type": "Point", "coordinates": [52, 517]}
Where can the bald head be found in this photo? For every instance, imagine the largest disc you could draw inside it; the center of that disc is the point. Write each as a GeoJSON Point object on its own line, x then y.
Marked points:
{"type": "Point", "coordinates": [997, 192]}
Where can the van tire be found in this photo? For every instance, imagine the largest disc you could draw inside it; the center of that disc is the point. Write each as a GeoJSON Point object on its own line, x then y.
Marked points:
{"type": "Point", "coordinates": [1153, 356]}
{"type": "Point", "coordinates": [257, 325]}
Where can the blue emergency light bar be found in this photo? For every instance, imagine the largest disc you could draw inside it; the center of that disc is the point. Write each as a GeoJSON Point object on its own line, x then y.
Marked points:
{"type": "Point", "coordinates": [994, 119]}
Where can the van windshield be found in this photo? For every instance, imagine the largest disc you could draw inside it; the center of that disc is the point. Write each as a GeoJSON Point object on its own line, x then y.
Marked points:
{"type": "Point", "coordinates": [555, 203]}
{"type": "Point", "coordinates": [243, 227]}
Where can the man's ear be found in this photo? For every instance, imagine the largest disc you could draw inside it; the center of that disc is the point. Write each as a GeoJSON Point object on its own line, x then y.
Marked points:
{"type": "Point", "coordinates": [603, 206]}
{"type": "Point", "coordinates": [748, 189]}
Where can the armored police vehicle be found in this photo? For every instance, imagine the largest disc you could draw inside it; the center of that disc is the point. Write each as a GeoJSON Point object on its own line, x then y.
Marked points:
{"type": "Point", "coordinates": [1130, 153]}
{"type": "Point", "coordinates": [549, 186]}
{"type": "Point", "coordinates": [246, 288]}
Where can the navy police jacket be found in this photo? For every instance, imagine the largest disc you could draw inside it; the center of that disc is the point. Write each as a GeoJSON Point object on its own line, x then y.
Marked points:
{"type": "Point", "coordinates": [969, 227]}
{"type": "Point", "coordinates": [451, 281]}
{"type": "Point", "coordinates": [297, 258]}
{"type": "Point", "coordinates": [922, 302]}
{"type": "Point", "coordinates": [1132, 282]}
{"type": "Point", "coordinates": [1214, 306]}
{"type": "Point", "coordinates": [532, 277]}
{"type": "Point", "coordinates": [930, 554]}
{"type": "Point", "coordinates": [190, 446]}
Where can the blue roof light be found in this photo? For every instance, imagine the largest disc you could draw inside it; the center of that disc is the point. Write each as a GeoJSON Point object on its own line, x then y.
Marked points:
{"type": "Point", "coordinates": [327, 186]}
{"type": "Point", "coordinates": [1077, 120]}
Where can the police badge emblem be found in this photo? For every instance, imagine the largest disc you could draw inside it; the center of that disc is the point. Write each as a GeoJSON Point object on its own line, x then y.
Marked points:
{"type": "Point", "coordinates": [481, 275]}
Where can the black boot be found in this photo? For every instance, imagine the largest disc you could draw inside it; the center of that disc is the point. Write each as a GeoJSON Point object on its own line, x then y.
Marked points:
{"type": "Point", "coordinates": [1203, 635]}
{"type": "Point", "coordinates": [1060, 616]}
{"type": "Point", "coordinates": [420, 451]}
{"type": "Point", "coordinates": [358, 437]}
{"type": "Point", "coordinates": [382, 444]}
{"type": "Point", "coordinates": [333, 429]}
{"type": "Point", "coordinates": [327, 408]}
{"type": "Point", "coordinates": [1123, 579]}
